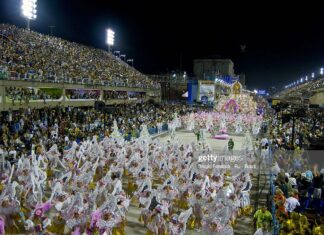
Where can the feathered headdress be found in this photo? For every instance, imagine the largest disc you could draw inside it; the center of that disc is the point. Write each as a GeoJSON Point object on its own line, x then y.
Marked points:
{"type": "Point", "coordinates": [43, 208]}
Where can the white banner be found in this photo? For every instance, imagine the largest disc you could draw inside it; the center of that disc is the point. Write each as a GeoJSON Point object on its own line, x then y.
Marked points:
{"type": "Point", "coordinates": [206, 92]}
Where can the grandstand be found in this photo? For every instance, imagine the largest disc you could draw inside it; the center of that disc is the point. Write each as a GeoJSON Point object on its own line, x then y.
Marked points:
{"type": "Point", "coordinates": [309, 92]}
{"type": "Point", "coordinates": [31, 55]}
{"type": "Point", "coordinates": [37, 67]}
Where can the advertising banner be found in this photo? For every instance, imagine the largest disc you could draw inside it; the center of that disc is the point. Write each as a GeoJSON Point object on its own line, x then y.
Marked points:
{"type": "Point", "coordinates": [206, 92]}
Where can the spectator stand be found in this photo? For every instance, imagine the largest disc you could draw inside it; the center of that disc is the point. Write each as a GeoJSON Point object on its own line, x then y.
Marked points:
{"type": "Point", "coordinates": [310, 206]}
{"type": "Point", "coordinates": [32, 56]}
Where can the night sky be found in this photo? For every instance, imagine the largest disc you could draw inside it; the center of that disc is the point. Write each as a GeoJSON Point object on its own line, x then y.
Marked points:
{"type": "Point", "coordinates": [283, 42]}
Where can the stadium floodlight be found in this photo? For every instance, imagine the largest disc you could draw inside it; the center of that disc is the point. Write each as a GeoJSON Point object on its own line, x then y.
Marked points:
{"type": "Point", "coordinates": [321, 71]}
{"type": "Point", "coordinates": [123, 56]}
{"type": "Point", "coordinates": [117, 53]}
{"type": "Point", "coordinates": [29, 10]}
{"type": "Point", "coordinates": [110, 38]}
{"type": "Point", "coordinates": [131, 60]}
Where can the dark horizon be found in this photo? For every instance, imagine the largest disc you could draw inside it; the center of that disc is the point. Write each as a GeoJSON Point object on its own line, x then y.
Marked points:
{"type": "Point", "coordinates": [283, 43]}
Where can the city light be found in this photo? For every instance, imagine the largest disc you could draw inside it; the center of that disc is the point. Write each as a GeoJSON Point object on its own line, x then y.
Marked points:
{"type": "Point", "coordinates": [110, 37]}
{"type": "Point", "coordinates": [255, 92]}
{"type": "Point", "coordinates": [322, 71]}
{"type": "Point", "coordinates": [29, 11]}
{"type": "Point", "coordinates": [313, 75]}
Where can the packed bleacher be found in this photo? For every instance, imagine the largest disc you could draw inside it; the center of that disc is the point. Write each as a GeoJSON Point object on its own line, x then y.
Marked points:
{"type": "Point", "coordinates": [298, 191]}
{"type": "Point", "coordinates": [83, 94]}
{"type": "Point", "coordinates": [298, 173]}
{"type": "Point", "coordinates": [28, 126]}
{"type": "Point", "coordinates": [28, 55]}
{"type": "Point", "coordinates": [307, 128]}
{"type": "Point", "coordinates": [124, 95]}
{"type": "Point", "coordinates": [302, 89]}
{"type": "Point", "coordinates": [24, 95]}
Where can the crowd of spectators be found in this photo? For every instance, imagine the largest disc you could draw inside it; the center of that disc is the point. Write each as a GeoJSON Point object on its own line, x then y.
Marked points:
{"type": "Point", "coordinates": [298, 173]}
{"type": "Point", "coordinates": [303, 89]}
{"type": "Point", "coordinates": [24, 95]}
{"type": "Point", "coordinates": [82, 94]}
{"type": "Point", "coordinates": [124, 95]}
{"type": "Point", "coordinates": [19, 130]}
{"type": "Point", "coordinates": [115, 95]}
{"type": "Point", "coordinates": [26, 54]}
{"type": "Point", "coordinates": [136, 95]}
{"type": "Point", "coordinates": [299, 187]}
{"type": "Point", "coordinates": [307, 128]}
{"type": "Point", "coordinates": [317, 84]}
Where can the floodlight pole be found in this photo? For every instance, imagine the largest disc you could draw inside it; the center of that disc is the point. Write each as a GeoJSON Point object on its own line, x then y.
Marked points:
{"type": "Point", "coordinates": [28, 24]}
{"type": "Point", "coordinates": [51, 29]}
{"type": "Point", "coordinates": [29, 11]}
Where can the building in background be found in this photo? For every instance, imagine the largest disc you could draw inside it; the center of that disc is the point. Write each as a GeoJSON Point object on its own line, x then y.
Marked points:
{"type": "Point", "coordinates": [209, 69]}
{"type": "Point", "coordinates": [220, 71]}
{"type": "Point", "coordinates": [217, 73]}
{"type": "Point", "coordinates": [173, 85]}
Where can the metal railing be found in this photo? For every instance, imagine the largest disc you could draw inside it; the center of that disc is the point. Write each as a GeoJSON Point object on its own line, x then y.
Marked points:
{"type": "Point", "coordinates": [31, 77]}
{"type": "Point", "coordinates": [152, 131]}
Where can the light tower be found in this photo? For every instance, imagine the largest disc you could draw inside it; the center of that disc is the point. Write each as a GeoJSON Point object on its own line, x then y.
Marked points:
{"type": "Point", "coordinates": [122, 57]}
{"type": "Point", "coordinates": [117, 53]}
{"type": "Point", "coordinates": [29, 11]}
{"type": "Point", "coordinates": [131, 60]}
{"type": "Point", "coordinates": [110, 38]}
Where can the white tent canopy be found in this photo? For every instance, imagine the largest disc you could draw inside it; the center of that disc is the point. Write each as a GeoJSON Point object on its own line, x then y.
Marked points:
{"type": "Point", "coordinates": [185, 95]}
